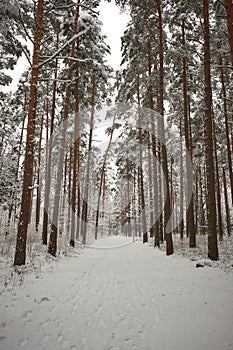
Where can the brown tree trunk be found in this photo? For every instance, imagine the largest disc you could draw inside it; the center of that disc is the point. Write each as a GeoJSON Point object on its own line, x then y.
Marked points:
{"type": "Point", "coordinates": [75, 163]}
{"type": "Point", "coordinates": [87, 176]}
{"type": "Point", "coordinates": [38, 189]}
{"type": "Point", "coordinates": [218, 192]}
{"type": "Point", "coordinates": [52, 249]}
{"type": "Point", "coordinates": [196, 200]}
{"type": "Point", "coordinates": [139, 203]}
{"type": "Point", "coordinates": [102, 175]}
{"type": "Point", "coordinates": [14, 192]}
{"type": "Point", "coordinates": [181, 218]}
{"type": "Point", "coordinates": [167, 206]}
{"type": "Point", "coordinates": [202, 224]}
{"type": "Point", "coordinates": [227, 129]}
{"type": "Point", "coordinates": [154, 226]}
{"type": "Point", "coordinates": [210, 176]}
{"type": "Point", "coordinates": [228, 220]}
{"type": "Point", "coordinates": [48, 164]}
{"type": "Point", "coordinates": [78, 158]}
{"type": "Point", "coordinates": [190, 227]}
{"type": "Point", "coordinates": [20, 253]}
{"type": "Point", "coordinates": [141, 180]}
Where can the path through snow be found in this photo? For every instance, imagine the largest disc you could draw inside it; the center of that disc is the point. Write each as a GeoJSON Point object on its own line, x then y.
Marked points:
{"type": "Point", "coordinates": [133, 297]}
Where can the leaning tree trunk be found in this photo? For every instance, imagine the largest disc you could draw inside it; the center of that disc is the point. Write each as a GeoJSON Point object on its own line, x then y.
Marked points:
{"type": "Point", "coordinates": [20, 253]}
{"type": "Point", "coordinates": [210, 176]}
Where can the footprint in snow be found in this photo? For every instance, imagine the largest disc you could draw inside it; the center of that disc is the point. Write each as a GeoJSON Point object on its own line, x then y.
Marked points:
{"type": "Point", "coordinates": [46, 338]}
{"type": "Point", "coordinates": [23, 342]}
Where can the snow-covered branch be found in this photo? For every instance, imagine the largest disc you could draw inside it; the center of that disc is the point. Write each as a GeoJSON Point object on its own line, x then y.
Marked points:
{"type": "Point", "coordinates": [74, 37]}
{"type": "Point", "coordinates": [66, 7]}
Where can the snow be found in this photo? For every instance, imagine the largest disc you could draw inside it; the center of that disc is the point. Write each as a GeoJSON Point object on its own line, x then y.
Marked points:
{"type": "Point", "coordinates": [125, 296]}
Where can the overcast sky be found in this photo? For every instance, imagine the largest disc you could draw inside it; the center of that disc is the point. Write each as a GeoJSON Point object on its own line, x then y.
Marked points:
{"type": "Point", "coordinates": [114, 25]}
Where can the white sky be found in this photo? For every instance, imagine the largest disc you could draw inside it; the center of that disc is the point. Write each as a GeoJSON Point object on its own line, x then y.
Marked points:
{"type": "Point", "coordinates": [114, 24]}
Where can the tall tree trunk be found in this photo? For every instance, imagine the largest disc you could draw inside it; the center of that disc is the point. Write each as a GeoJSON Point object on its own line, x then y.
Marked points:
{"type": "Point", "coordinates": [48, 164]}
{"type": "Point", "coordinates": [139, 203]}
{"type": "Point", "coordinates": [227, 130]}
{"type": "Point", "coordinates": [38, 188]}
{"type": "Point", "coordinates": [167, 207]}
{"type": "Point", "coordinates": [140, 169]}
{"type": "Point", "coordinates": [211, 200]}
{"type": "Point", "coordinates": [190, 227]}
{"type": "Point", "coordinates": [13, 205]}
{"type": "Point", "coordinates": [154, 227]}
{"type": "Point", "coordinates": [229, 13]}
{"type": "Point", "coordinates": [181, 218]}
{"type": "Point", "coordinates": [218, 192]}
{"type": "Point", "coordinates": [202, 221]}
{"type": "Point", "coordinates": [52, 249]}
{"type": "Point", "coordinates": [87, 176]}
{"type": "Point", "coordinates": [196, 200]}
{"type": "Point", "coordinates": [102, 175]}
{"type": "Point", "coordinates": [75, 162]}
{"type": "Point", "coordinates": [228, 222]}
{"type": "Point", "coordinates": [20, 253]}
{"type": "Point", "coordinates": [78, 156]}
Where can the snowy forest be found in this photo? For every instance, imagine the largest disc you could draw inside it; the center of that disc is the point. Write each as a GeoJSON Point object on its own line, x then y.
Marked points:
{"type": "Point", "coordinates": [94, 158]}
{"type": "Point", "coordinates": [166, 172]}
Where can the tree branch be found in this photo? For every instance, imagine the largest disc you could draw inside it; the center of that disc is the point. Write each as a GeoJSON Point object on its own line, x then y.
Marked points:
{"type": "Point", "coordinates": [74, 37]}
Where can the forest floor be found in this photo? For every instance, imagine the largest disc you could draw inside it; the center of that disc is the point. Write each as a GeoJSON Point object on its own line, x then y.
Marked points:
{"type": "Point", "coordinates": [107, 297]}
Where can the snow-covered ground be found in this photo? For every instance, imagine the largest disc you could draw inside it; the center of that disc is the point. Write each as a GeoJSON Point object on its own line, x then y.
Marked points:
{"type": "Point", "coordinates": [118, 296]}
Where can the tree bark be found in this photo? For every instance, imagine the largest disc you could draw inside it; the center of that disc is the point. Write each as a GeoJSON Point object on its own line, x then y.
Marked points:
{"type": "Point", "coordinates": [75, 163]}
{"type": "Point", "coordinates": [20, 253]}
{"type": "Point", "coordinates": [229, 16]}
{"type": "Point", "coordinates": [154, 227]}
{"type": "Point", "coordinates": [190, 227]}
{"type": "Point", "coordinates": [228, 220]}
{"type": "Point", "coordinates": [52, 249]}
{"type": "Point", "coordinates": [102, 178]}
{"type": "Point", "coordinates": [48, 165]}
{"type": "Point", "coordinates": [87, 176]}
{"type": "Point", "coordinates": [218, 192]}
{"type": "Point", "coordinates": [227, 129]}
{"type": "Point", "coordinates": [210, 176]}
{"type": "Point", "coordinates": [141, 180]}
{"type": "Point", "coordinates": [167, 207]}
{"type": "Point", "coordinates": [38, 189]}
{"type": "Point", "coordinates": [181, 218]}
